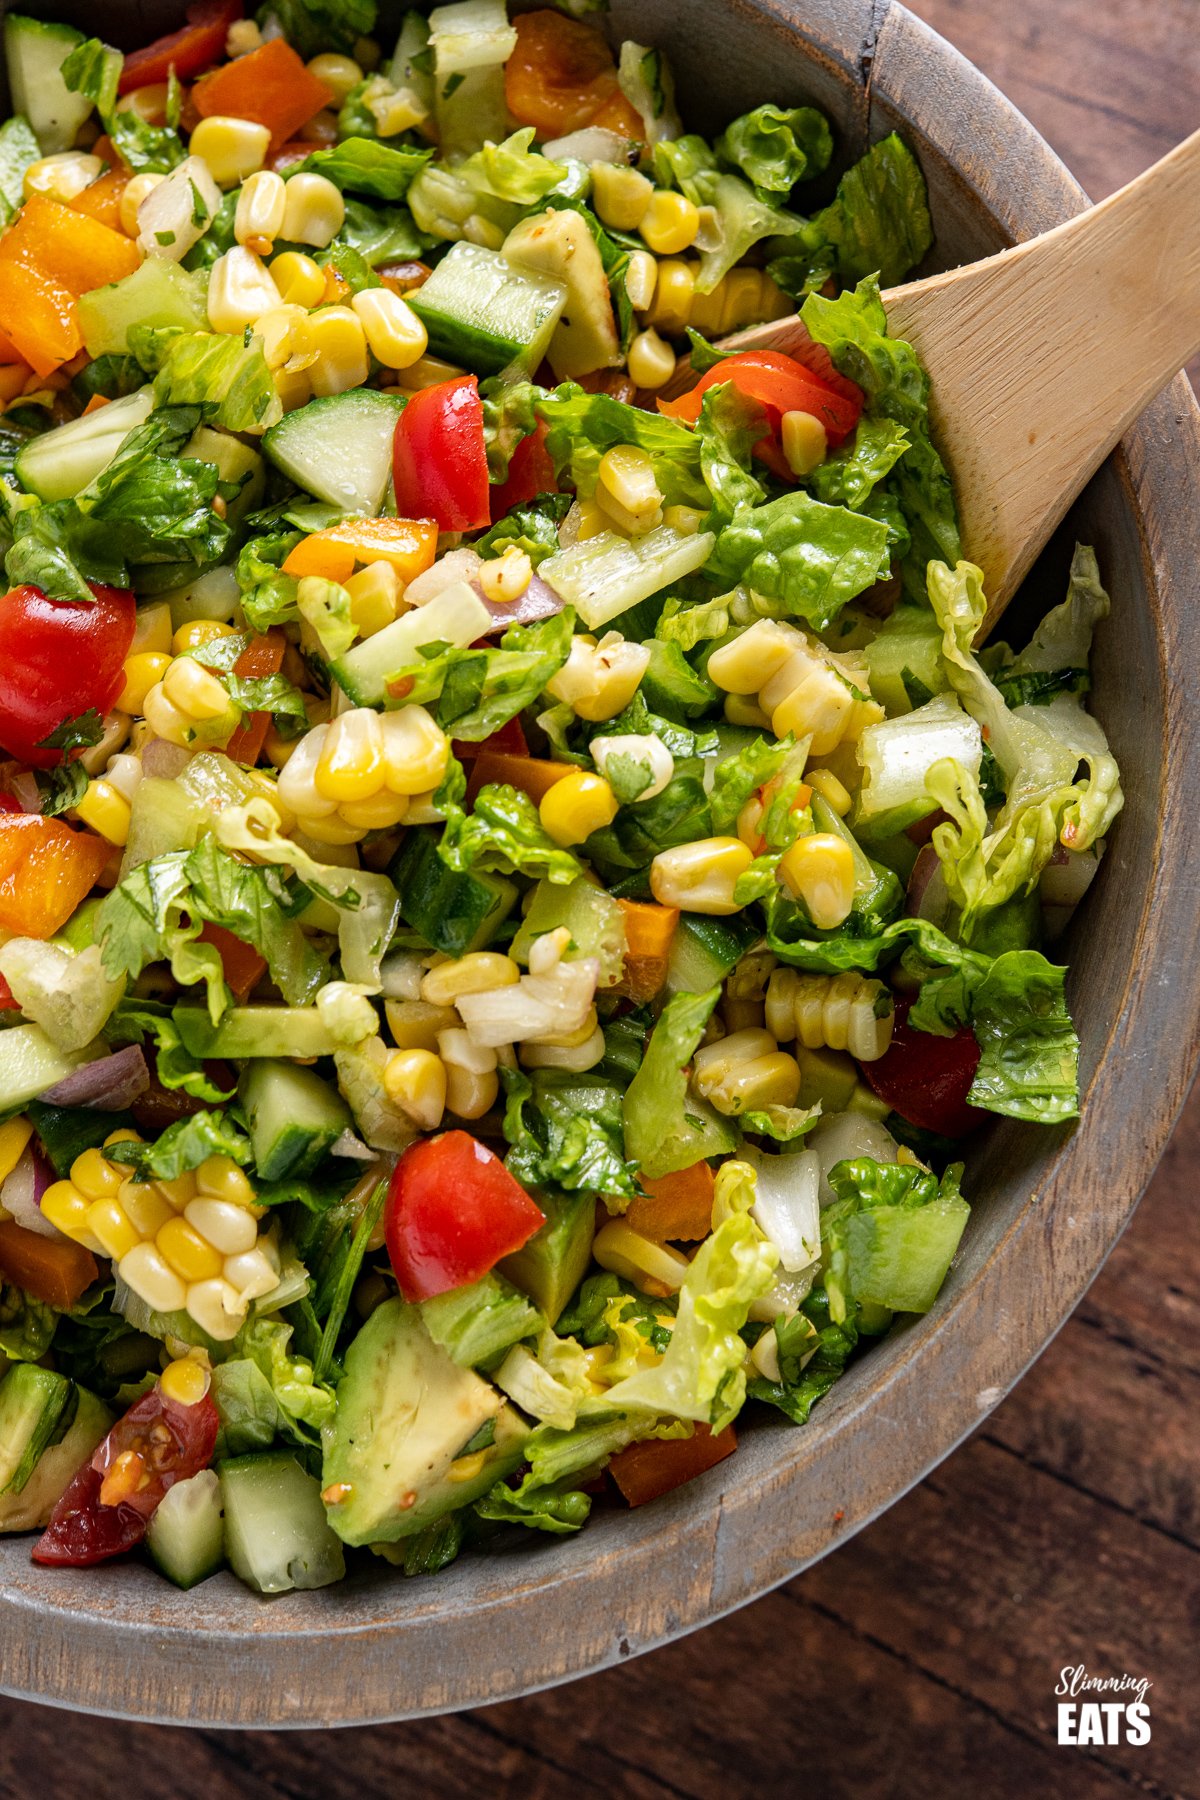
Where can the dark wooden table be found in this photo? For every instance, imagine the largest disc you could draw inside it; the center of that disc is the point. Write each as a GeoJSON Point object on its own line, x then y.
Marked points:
{"type": "Point", "coordinates": [922, 1658]}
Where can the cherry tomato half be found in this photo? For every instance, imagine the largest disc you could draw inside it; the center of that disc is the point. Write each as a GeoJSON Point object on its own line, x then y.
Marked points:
{"type": "Point", "coordinates": [169, 1442]}
{"type": "Point", "coordinates": [453, 1210]}
{"type": "Point", "coordinates": [58, 658]}
{"type": "Point", "coordinates": [440, 457]}
{"type": "Point", "coordinates": [781, 384]}
{"type": "Point", "coordinates": [926, 1079]}
{"type": "Point", "coordinates": [199, 43]}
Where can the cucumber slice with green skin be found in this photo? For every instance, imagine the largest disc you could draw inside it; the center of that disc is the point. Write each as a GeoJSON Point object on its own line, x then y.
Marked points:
{"type": "Point", "coordinates": [276, 1534]}
{"type": "Point", "coordinates": [18, 148]}
{"type": "Point", "coordinates": [29, 1064]}
{"type": "Point", "coordinates": [186, 1535]}
{"type": "Point", "coordinates": [483, 313]}
{"type": "Point", "coordinates": [163, 817]}
{"type": "Point", "coordinates": [158, 293]}
{"type": "Point", "coordinates": [293, 1117]}
{"type": "Point", "coordinates": [703, 952]}
{"type": "Point", "coordinates": [35, 50]}
{"type": "Point", "coordinates": [456, 913]}
{"type": "Point", "coordinates": [34, 1407]}
{"type": "Point", "coordinates": [339, 448]}
{"type": "Point", "coordinates": [251, 1031]}
{"type": "Point", "coordinates": [61, 463]}
{"type": "Point", "coordinates": [455, 616]}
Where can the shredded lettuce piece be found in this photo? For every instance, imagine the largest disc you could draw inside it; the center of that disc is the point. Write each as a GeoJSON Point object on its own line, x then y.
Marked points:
{"type": "Point", "coordinates": [502, 833]}
{"type": "Point", "coordinates": [808, 557]}
{"type": "Point", "coordinates": [474, 692]}
{"type": "Point", "coordinates": [775, 148]}
{"type": "Point", "coordinates": [565, 1132]}
{"type": "Point", "coordinates": [184, 1146]}
{"type": "Point", "coordinates": [666, 1127]}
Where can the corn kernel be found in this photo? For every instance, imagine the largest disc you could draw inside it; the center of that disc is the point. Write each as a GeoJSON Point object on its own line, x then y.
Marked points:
{"type": "Point", "coordinates": [228, 1228]}
{"type": "Point", "coordinates": [216, 1307]}
{"type": "Point", "coordinates": [191, 1256]}
{"type": "Point", "coordinates": [479, 972]}
{"type": "Point", "coordinates": [430, 371]}
{"type": "Point", "coordinates": [621, 196]}
{"type": "Point", "coordinates": [670, 223]}
{"type": "Point", "coordinates": [470, 1095]}
{"type": "Point", "coordinates": [66, 1208]}
{"type": "Point", "coordinates": [240, 291]}
{"type": "Point", "coordinates": [735, 1087]}
{"type": "Point", "coordinates": [335, 339]}
{"type": "Point", "coordinates": [178, 1192]}
{"type": "Point", "coordinates": [641, 278]}
{"type": "Point", "coordinates": [146, 1271]}
{"type": "Point", "coordinates": [590, 522]}
{"type": "Point", "coordinates": [141, 673]}
{"type": "Point", "coordinates": [374, 597]}
{"type": "Point", "coordinates": [458, 1049]}
{"type": "Point", "coordinates": [819, 870]}
{"type": "Point", "coordinates": [752, 659]}
{"type": "Point", "coordinates": [826, 783]}
{"type": "Point", "coordinates": [744, 710]}
{"type": "Point", "coordinates": [338, 73]}
{"type": "Point", "coordinates": [576, 806]}
{"type": "Point", "coordinates": [14, 1136]}
{"type": "Point", "coordinates": [467, 1468]}
{"type": "Point", "coordinates": [258, 217]}
{"type": "Point", "coordinates": [395, 335]}
{"type": "Point", "coordinates": [685, 519]}
{"type": "Point", "coordinates": [242, 37]}
{"type": "Point", "coordinates": [221, 1177]}
{"type": "Point", "coordinates": [674, 293]}
{"type": "Point", "coordinates": [625, 1252]}
{"type": "Point", "coordinates": [416, 751]}
{"type": "Point", "coordinates": [126, 1476]}
{"type": "Point", "coordinates": [132, 195]}
{"type": "Point", "coordinates": [651, 360]}
{"type": "Point", "coordinates": [576, 1058]}
{"type": "Point", "coordinates": [315, 211]}
{"type": "Point", "coordinates": [196, 693]}
{"type": "Point", "coordinates": [112, 1227]}
{"type": "Point", "coordinates": [626, 473]}
{"type": "Point", "coordinates": [147, 102]}
{"type": "Point", "coordinates": [145, 1206]}
{"type": "Point", "coordinates": [378, 812]}
{"type": "Point", "coordinates": [64, 175]}
{"type": "Point", "coordinates": [415, 1081]}
{"type": "Point", "coordinates": [416, 1024]}
{"type": "Point", "coordinates": [232, 148]}
{"type": "Point", "coordinates": [197, 633]}
{"type": "Point", "coordinates": [106, 811]}
{"type": "Point", "coordinates": [301, 282]}
{"type": "Point", "coordinates": [700, 877]}
{"type": "Point", "coordinates": [504, 579]}
{"type": "Point", "coordinates": [185, 1381]}
{"type": "Point", "coordinates": [599, 680]}
{"type": "Point", "coordinates": [350, 765]}
{"type": "Point", "coordinates": [805, 442]}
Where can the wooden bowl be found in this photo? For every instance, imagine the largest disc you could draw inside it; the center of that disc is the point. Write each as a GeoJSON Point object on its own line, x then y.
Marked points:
{"type": "Point", "coordinates": [1048, 1205]}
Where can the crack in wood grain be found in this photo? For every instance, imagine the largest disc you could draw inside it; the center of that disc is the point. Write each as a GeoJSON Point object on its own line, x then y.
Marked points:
{"type": "Point", "coordinates": [1096, 1321]}
{"type": "Point", "coordinates": [1030, 1461]}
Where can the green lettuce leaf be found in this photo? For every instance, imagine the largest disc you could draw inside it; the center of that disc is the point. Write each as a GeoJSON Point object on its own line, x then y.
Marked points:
{"type": "Point", "coordinates": [851, 474]}
{"type": "Point", "coordinates": [666, 1127]}
{"type": "Point", "coordinates": [809, 557]}
{"type": "Point", "coordinates": [502, 833]}
{"type": "Point", "coordinates": [889, 1238]}
{"type": "Point", "coordinates": [382, 234]}
{"type": "Point", "coordinates": [224, 375]}
{"type": "Point", "coordinates": [133, 1021]}
{"type": "Point", "coordinates": [478, 691]}
{"type": "Point", "coordinates": [184, 1146]}
{"type": "Point", "coordinates": [729, 426]}
{"type": "Point", "coordinates": [365, 166]}
{"type": "Point", "coordinates": [311, 26]}
{"type": "Point", "coordinates": [679, 815]}
{"type": "Point", "coordinates": [27, 1325]}
{"type": "Point", "coordinates": [879, 221]}
{"type": "Point", "coordinates": [565, 1131]}
{"type": "Point", "coordinates": [774, 148]}
{"type": "Point", "coordinates": [582, 426]}
{"type": "Point", "coordinates": [497, 183]}
{"type": "Point", "coordinates": [813, 1353]}
{"type": "Point", "coordinates": [509, 416]}
{"type": "Point", "coordinates": [531, 527]}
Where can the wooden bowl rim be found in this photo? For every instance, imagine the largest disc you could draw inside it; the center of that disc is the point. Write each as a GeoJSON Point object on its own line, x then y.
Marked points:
{"type": "Point", "coordinates": [118, 1641]}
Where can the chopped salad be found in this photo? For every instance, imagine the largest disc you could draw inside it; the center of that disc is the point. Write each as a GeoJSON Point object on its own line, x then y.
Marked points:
{"type": "Point", "coordinates": [515, 879]}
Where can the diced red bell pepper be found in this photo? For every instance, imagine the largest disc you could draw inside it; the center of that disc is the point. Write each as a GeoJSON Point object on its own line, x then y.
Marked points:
{"type": "Point", "coordinates": [54, 1270]}
{"type": "Point", "coordinates": [242, 965]}
{"type": "Point", "coordinates": [262, 656]}
{"type": "Point", "coordinates": [648, 1470]}
{"type": "Point", "coordinates": [926, 1079]}
{"type": "Point", "coordinates": [453, 1210]}
{"type": "Point", "coordinates": [200, 43]}
{"type": "Point", "coordinates": [508, 741]}
{"type": "Point", "coordinates": [780, 384]}
{"type": "Point", "coordinates": [440, 457]}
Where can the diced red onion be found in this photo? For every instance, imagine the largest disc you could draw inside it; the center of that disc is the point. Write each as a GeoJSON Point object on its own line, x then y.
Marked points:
{"type": "Point", "coordinates": [109, 1084]}
{"type": "Point", "coordinates": [163, 760]}
{"type": "Point", "coordinates": [927, 896]}
{"type": "Point", "coordinates": [24, 788]}
{"type": "Point", "coordinates": [351, 1146]}
{"type": "Point", "coordinates": [21, 1194]}
{"type": "Point", "coordinates": [538, 602]}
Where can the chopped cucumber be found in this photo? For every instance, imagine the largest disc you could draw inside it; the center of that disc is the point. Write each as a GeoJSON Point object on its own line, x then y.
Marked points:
{"type": "Point", "coordinates": [606, 575]}
{"type": "Point", "coordinates": [276, 1534]}
{"type": "Point", "coordinates": [186, 1535]}
{"type": "Point", "coordinates": [18, 148]}
{"type": "Point", "coordinates": [61, 463]}
{"type": "Point", "coordinates": [455, 616]}
{"type": "Point", "coordinates": [250, 1031]}
{"type": "Point", "coordinates": [33, 1403]}
{"type": "Point", "coordinates": [293, 1117]}
{"type": "Point", "coordinates": [35, 50]}
{"type": "Point", "coordinates": [703, 951]}
{"type": "Point", "coordinates": [163, 817]}
{"type": "Point", "coordinates": [471, 42]}
{"type": "Point", "coordinates": [455, 912]}
{"type": "Point", "coordinates": [158, 293]}
{"type": "Point", "coordinates": [484, 313]}
{"type": "Point", "coordinates": [339, 448]}
{"type": "Point", "coordinates": [29, 1064]}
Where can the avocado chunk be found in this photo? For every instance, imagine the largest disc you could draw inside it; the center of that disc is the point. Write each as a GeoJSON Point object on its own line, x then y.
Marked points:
{"type": "Point", "coordinates": [552, 1264]}
{"type": "Point", "coordinates": [559, 244]}
{"type": "Point", "coordinates": [406, 1413]}
{"type": "Point", "coordinates": [294, 1117]}
{"type": "Point", "coordinates": [56, 1467]}
{"type": "Point", "coordinates": [36, 1406]}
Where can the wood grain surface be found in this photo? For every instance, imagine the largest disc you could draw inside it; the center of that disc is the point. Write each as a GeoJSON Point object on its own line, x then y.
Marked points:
{"type": "Point", "coordinates": [921, 1658]}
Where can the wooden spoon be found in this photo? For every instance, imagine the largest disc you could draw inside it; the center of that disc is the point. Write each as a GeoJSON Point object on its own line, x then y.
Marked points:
{"type": "Point", "coordinates": [1040, 358]}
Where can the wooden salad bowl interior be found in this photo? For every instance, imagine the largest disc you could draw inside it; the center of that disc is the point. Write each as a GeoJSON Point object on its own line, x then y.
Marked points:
{"type": "Point", "coordinates": [1047, 1204]}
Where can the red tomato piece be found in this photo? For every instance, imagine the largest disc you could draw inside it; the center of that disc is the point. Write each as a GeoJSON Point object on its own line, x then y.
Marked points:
{"type": "Point", "coordinates": [58, 658]}
{"type": "Point", "coordinates": [165, 1443]}
{"type": "Point", "coordinates": [241, 962]}
{"type": "Point", "coordinates": [650, 1469]}
{"type": "Point", "coordinates": [440, 457]}
{"type": "Point", "coordinates": [781, 384]}
{"type": "Point", "coordinates": [262, 656]}
{"type": "Point", "coordinates": [530, 473]}
{"type": "Point", "coordinates": [926, 1079]}
{"type": "Point", "coordinates": [7, 1003]}
{"type": "Point", "coordinates": [508, 741]}
{"type": "Point", "coordinates": [199, 43]}
{"type": "Point", "coordinates": [453, 1210]}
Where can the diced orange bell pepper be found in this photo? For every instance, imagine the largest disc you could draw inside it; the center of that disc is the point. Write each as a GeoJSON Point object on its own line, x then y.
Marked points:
{"type": "Point", "coordinates": [55, 1271]}
{"type": "Point", "coordinates": [646, 1471]}
{"type": "Point", "coordinates": [410, 545]}
{"type": "Point", "coordinates": [14, 377]}
{"type": "Point", "coordinates": [531, 775]}
{"type": "Point", "coordinates": [649, 934]}
{"type": "Point", "coordinates": [243, 965]}
{"type": "Point", "coordinates": [39, 315]}
{"type": "Point", "coordinates": [271, 86]}
{"type": "Point", "coordinates": [262, 656]}
{"type": "Point", "coordinates": [509, 740]}
{"type": "Point", "coordinates": [674, 1207]}
{"type": "Point", "coordinates": [68, 246]}
{"type": "Point", "coordinates": [560, 74]}
{"type": "Point", "coordinates": [617, 114]}
{"type": "Point", "coordinates": [46, 869]}
{"type": "Point", "coordinates": [101, 199]}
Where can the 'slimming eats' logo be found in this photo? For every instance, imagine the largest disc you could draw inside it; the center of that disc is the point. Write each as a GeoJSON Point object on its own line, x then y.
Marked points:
{"type": "Point", "coordinates": [1102, 1721]}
